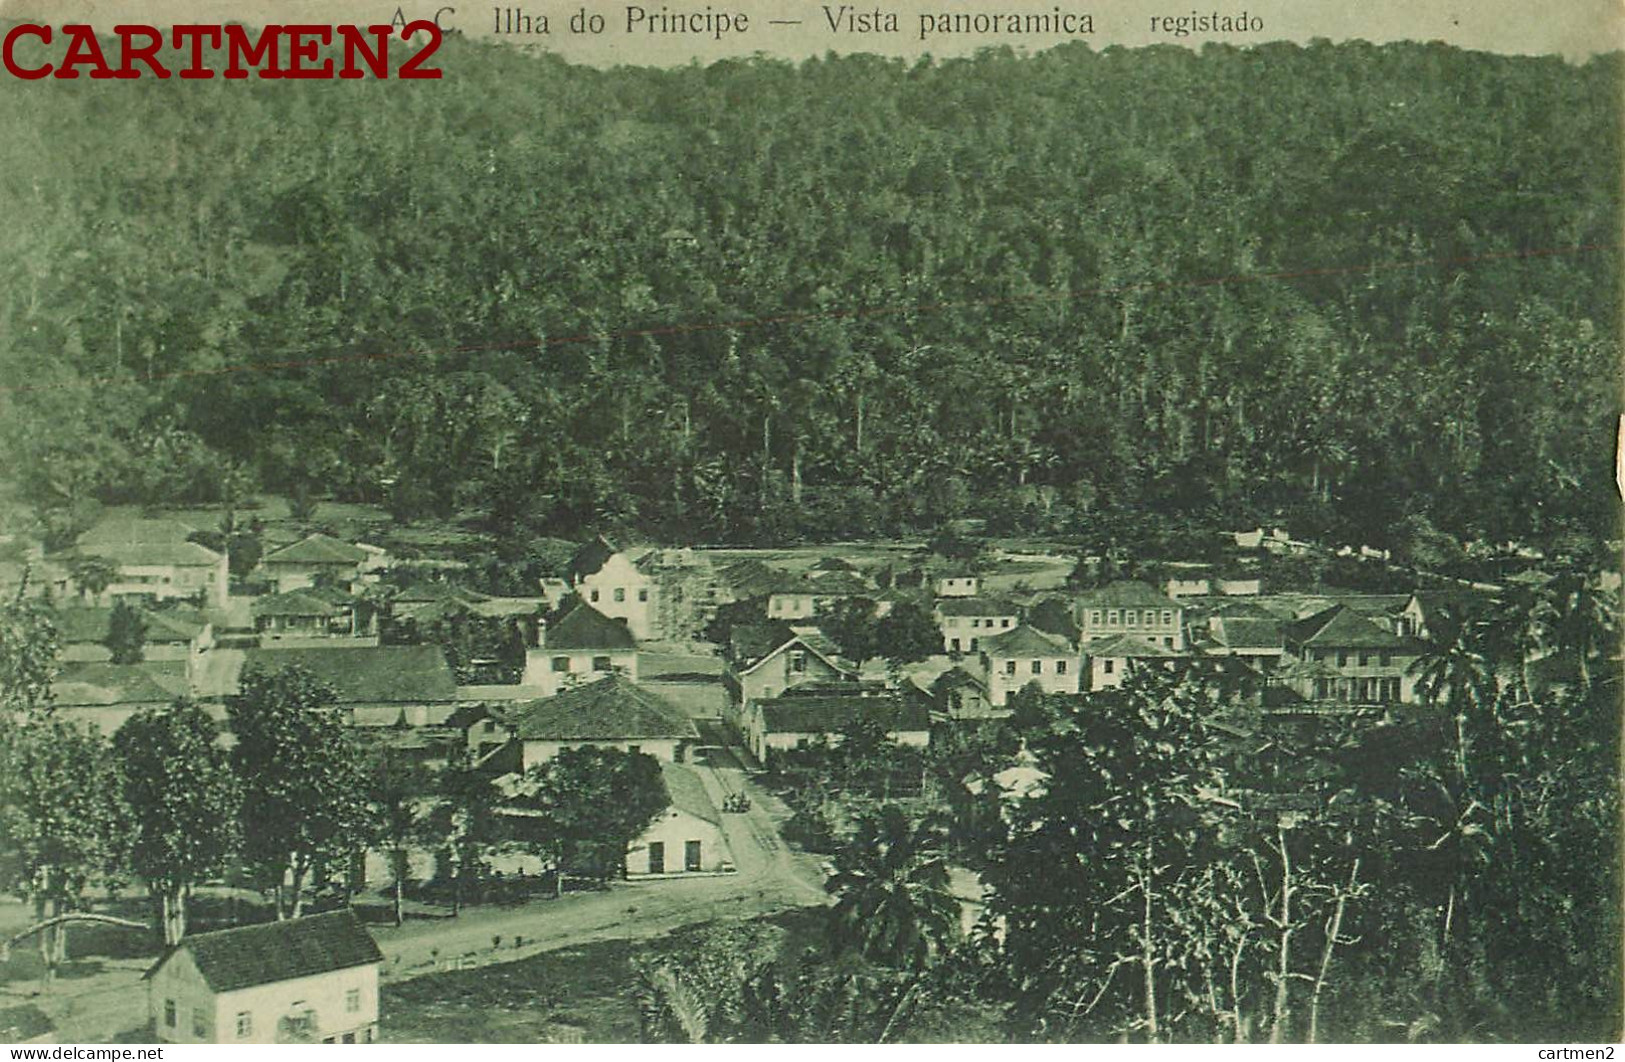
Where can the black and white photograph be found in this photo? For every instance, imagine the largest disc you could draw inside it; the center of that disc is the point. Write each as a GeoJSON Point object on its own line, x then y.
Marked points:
{"type": "Point", "coordinates": [784, 523]}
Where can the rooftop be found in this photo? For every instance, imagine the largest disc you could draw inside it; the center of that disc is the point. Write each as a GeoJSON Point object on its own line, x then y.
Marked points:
{"type": "Point", "coordinates": [976, 606]}
{"type": "Point", "coordinates": [407, 674]}
{"type": "Point", "coordinates": [1340, 627]}
{"type": "Point", "coordinates": [1124, 594]}
{"type": "Point", "coordinates": [87, 685]}
{"type": "Point", "coordinates": [827, 715]}
{"type": "Point", "coordinates": [233, 959]}
{"type": "Point", "coordinates": [127, 530]}
{"type": "Point", "coordinates": [1025, 641]}
{"type": "Point", "coordinates": [687, 793]}
{"type": "Point", "coordinates": [613, 708]}
{"type": "Point", "coordinates": [580, 626]}
{"type": "Point", "coordinates": [317, 549]}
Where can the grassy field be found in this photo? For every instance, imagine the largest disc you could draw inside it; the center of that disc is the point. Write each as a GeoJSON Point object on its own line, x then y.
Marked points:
{"type": "Point", "coordinates": [575, 995]}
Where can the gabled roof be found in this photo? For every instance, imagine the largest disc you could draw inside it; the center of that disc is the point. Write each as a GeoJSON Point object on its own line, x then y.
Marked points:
{"type": "Point", "coordinates": [1131, 646]}
{"type": "Point", "coordinates": [687, 793]}
{"type": "Point", "coordinates": [1247, 632]}
{"type": "Point", "coordinates": [407, 674]}
{"type": "Point", "coordinates": [828, 715]}
{"type": "Point", "coordinates": [751, 578]}
{"type": "Point", "coordinates": [1433, 603]}
{"type": "Point", "coordinates": [611, 709]}
{"type": "Point", "coordinates": [80, 625]}
{"type": "Point", "coordinates": [156, 554]}
{"type": "Point", "coordinates": [233, 959]}
{"type": "Point", "coordinates": [835, 564]}
{"type": "Point", "coordinates": [126, 530]}
{"type": "Point", "coordinates": [591, 557]}
{"type": "Point", "coordinates": [1125, 593]}
{"type": "Point", "coordinates": [828, 584]}
{"type": "Point", "coordinates": [293, 603]}
{"type": "Point", "coordinates": [1025, 641]}
{"type": "Point", "coordinates": [750, 643]}
{"type": "Point", "coordinates": [580, 626]}
{"type": "Point", "coordinates": [956, 677]}
{"type": "Point", "coordinates": [1340, 627]}
{"type": "Point", "coordinates": [976, 606]}
{"type": "Point", "coordinates": [86, 685]}
{"type": "Point", "coordinates": [317, 549]}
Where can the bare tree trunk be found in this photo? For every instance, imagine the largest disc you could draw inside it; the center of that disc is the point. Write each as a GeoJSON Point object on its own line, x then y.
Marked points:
{"type": "Point", "coordinates": [1235, 990]}
{"type": "Point", "coordinates": [1148, 958]}
{"type": "Point", "coordinates": [1333, 927]}
{"type": "Point", "coordinates": [1284, 948]}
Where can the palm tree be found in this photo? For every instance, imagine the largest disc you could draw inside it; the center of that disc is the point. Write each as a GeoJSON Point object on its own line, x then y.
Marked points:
{"type": "Point", "coordinates": [1513, 631]}
{"type": "Point", "coordinates": [1454, 670]}
{"type": "Point", "coordinates": [1583, 619]}
{"type": "Point", "coordinates": [891, 884]}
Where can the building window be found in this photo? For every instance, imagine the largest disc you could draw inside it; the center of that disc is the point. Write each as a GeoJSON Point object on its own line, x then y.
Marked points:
{"type": "Point", "coordinates": [1169, 642]}
{"type": "Point", "coordinates": [600, 663]}
{"type": "Point", "coordinates": [1038, 667]}
{"type": "Point", "coordinates": [1113, 617]}
{"type": "Point", "coordinates": [169, 1013]}
{"type": "Point", "coordinates": [798, 661]}
{"type": "Point", "coordinates": [352, 1001]}
{"type": "Point", "coordinates": [1130, 617]}
{"type": "Point", "coordinates": [634, 748]}
{"type": "Point", "coordinates": [1009, 667]}
{"type": "Point", "coordinates": [643, 594]}
{"type": "Point", "coordinates": [595, 595]}
{"type": "Point", "coordinates": [620, 593]}
{"type": "Point", "coordinates": [200, 1028]}
{"type": "Point", "coordinates": [1060, 667]}
{"type": "Point", "coordinates": [1167, 618]}
{"type": "Point", "coordinates": [1094, 617]}
{"type": "Point", "coordinates": [1108, 666]}
{"type": "Point", "coordinates": [1342, 659]}
{"type": "Point", "coordinates": [561, 664]}
{"type": "Point", "coordinates": [1004, 623]}
{"type": "Point", "coordinates": [1386, 659]}
{"type": "Point", "coordinates": [245, 1025]}
{"type": "Point", "coordinates": [1365, 659]}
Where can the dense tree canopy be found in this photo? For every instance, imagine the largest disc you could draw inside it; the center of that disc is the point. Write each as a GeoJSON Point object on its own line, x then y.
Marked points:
{"type": "Point", "coordinates": [759, 300]}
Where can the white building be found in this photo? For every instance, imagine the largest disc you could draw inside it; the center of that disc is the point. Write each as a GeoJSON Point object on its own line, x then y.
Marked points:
{"type": "Point", "coordinates": [303, 981]}
{"type": "Point", "coordinates": [1026, 656]}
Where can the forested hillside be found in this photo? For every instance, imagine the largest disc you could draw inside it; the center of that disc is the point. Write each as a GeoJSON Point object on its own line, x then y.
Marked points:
{"type": "Point", "coordinates": [759, 301]}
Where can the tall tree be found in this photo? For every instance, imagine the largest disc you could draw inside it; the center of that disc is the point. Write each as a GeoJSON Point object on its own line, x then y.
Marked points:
{"type": "Point", "coordinates": [183, 799]}
{"type": "Point", "coordinates": [126, 634]}
{"type": "Point", "coordinates": [304, 790]}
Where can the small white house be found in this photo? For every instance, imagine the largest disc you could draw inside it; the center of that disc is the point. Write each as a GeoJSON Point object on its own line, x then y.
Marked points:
{"type": "Point", "coordinates": [303, 981]}
{"type": "Point", "coordinates": [687, 837]}
{"type": "Point", "coordinates": [578, 646]}
{"type": "Point", "coordinates": [1025, 656]}
{"type": "Point", "coordinates": [959, 584]}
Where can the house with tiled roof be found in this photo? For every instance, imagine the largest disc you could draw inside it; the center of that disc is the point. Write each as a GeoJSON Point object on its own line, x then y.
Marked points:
{"type": "Point", "coordinates": [1255, 637]}
{"type": "Point", "coordinates": [301, 981]}
{"type": "Point", "coordinates": [171, 633]}
{"type": "Point", "coordinates": [1361, 661]}
{"type": "Point", "coordinates": [765, 659]}
{"type": "Point", "coordinates": [795, 720]}
{"type": "Point", "coordinates": [156, 561]}
{"type": "Point", "coordinates": [804, 597]}
{"type": "Point", "coordinates": [966, 621]}
{"type": "Point", "coordinates": [608, 578]}
{"type": "Point", "coordinates": [579, 644]}
{"type": "Point", "coordinates": [613, 712]}
{"type": "Point", "coordinates": [318, 558]}
{"type": "Point", "coordinates": [1024, 656]}
{"type": "Point", "coordinates": [104, 695]}
{"type": "Point", "coordinates": [300, 614]}
{"type": "Point", "coordinates": [1110, 659]}
{"type": "Point", "coordinates": [377, 685]}
{"type": "Point", "coordinates": [1129, 607]}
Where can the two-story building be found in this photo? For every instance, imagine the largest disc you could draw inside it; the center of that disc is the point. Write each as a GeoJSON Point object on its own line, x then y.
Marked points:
{"type": "Point", "coordinates": [1128, 607]}
{"type": "Point", "coordinates": [301, 981]}
{"type": "Point", "coordinates": [579, 644]}
{"type": "Point", "coordinates": [766, 659]}
{"type": "Point", "coordinates": [1025, 656]}
{"type": "Point", "coordinates": [804, 597]}
{"type": "Point", "coordinates": [609, 579]}
{"type": "Point", "coordinates": [967, 621]}
{"type": "Point", "coordinates": [1350, 658]}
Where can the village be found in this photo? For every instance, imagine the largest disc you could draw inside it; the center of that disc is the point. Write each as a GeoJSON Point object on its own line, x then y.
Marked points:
{"type": "Point", "coordinates": [737, 672]}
